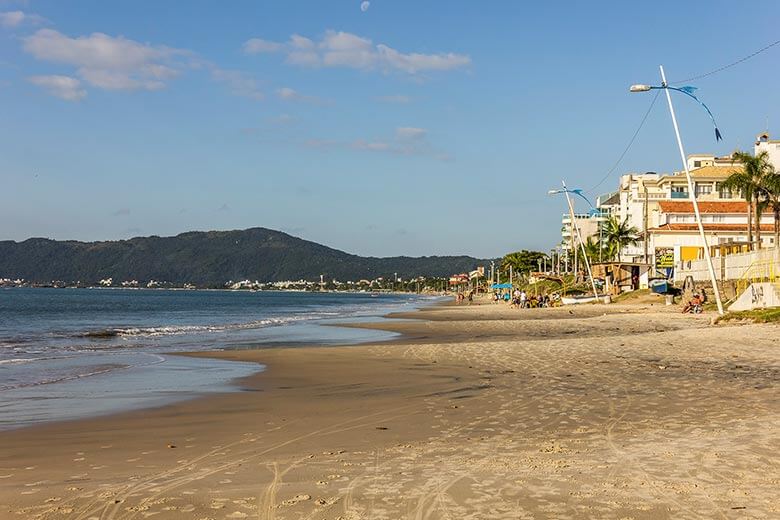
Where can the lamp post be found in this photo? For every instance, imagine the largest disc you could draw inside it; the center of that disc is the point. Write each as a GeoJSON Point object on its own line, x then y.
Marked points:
{"type": "Point", "coordinates": [689, 92]}
{"type": "Point", "coordinates": [576, 227]}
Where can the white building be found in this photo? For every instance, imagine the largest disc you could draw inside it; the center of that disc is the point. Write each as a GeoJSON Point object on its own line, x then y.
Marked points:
{"type": "Point", "coordinates": [764, 144]}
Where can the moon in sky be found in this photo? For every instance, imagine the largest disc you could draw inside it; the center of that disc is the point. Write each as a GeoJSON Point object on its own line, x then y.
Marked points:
{"type": "Point", "coordinates": [365, 5]}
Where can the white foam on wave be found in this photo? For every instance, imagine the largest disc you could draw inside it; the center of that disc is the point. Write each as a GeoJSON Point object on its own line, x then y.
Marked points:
{"type": "Point", "coordinates": [17, 361]}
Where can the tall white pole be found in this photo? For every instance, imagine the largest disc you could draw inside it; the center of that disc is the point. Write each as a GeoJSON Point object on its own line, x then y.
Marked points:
{"type": "Point", "coordinates": [692, 192]}
{"type": "Point", "coordinates": [579, 239]}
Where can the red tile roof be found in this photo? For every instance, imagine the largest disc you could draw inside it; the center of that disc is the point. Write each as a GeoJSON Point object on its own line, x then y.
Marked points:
{"type": "Point", "coordinates": [705, 206]}
{"type": "Point", "coordinates": [710, 227]}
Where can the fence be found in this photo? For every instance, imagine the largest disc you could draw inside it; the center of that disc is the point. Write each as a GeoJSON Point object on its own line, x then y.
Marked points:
{"type": "Point", "coordinates": [743, 268]}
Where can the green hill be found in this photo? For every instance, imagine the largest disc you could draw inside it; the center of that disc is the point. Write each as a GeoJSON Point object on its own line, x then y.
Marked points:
{"type": "Point", "coordinates": [208, 258]}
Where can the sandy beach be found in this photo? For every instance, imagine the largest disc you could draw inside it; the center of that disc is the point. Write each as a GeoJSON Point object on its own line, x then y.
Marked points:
{"type": "Point", "coordinates": [625, 412]}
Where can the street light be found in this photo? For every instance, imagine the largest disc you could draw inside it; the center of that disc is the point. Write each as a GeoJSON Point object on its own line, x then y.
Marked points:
{"type": "Point", "coordinates": [567, 191]}
{"type": "Point", "coordinates": [689, 92]}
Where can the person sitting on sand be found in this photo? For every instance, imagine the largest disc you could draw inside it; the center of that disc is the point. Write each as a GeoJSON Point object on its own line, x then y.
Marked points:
{"type": "Point", "coordinates": [691, 306]}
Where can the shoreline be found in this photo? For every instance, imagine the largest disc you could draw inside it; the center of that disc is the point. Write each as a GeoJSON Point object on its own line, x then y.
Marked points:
{"type": "Point", "coordinates": [136, 383]}
{"type": "Point", "coordinates": [475, 409]}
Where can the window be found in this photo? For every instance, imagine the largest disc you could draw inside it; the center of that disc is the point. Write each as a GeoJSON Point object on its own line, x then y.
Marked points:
{"type": "Point", "coordinates": [723, 192]}
{"type": "Point", "coordinates": [697, 164]}
{"type": "Point", "coordinates": [703, 189]}
{"type": "Point", "coordinates": [679, 192]}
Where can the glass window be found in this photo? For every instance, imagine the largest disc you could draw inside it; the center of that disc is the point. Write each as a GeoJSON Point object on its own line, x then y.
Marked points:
{"type": "Point", "coordinates": [723, 192]}
{"type": "Point", "coordinates": [679, 192]}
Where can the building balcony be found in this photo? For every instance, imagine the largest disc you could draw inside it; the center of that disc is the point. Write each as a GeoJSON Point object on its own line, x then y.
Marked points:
{"type": "Point", "coordinates": [679, 194]}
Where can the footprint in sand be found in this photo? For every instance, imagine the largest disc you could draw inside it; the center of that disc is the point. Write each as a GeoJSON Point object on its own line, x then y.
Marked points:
{"type": "Point", "coordinates": [294, 500]}
{"type": "Point", "coordinates": [237, 514]}
{"type": "Point", "coordinates": [6, 476]}
{"type": "Point", "coordinates": [225, 481]}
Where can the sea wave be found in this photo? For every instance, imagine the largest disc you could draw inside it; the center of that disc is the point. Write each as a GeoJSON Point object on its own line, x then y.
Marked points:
{"type": "Point", "coordinates": [85, 372]}
{"type": "Point", "coordinates": [172, 330]}
{"type": "Point", "coordinates": [17, 361]}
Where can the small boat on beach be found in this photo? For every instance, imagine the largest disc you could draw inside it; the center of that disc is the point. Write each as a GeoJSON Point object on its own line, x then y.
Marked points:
{"type": "Point", "coordinates": [584, 298]}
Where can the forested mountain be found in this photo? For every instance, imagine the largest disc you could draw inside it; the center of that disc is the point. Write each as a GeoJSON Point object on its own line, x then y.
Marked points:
{"type": "Point", "coordinates": [208, 258]}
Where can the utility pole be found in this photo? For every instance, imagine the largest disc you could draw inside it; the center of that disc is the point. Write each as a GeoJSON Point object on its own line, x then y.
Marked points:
{"type": "Point", "coordinates": [692, 191]}
{"type": "Point", "coordinates": [579, 239]}
{"type": "Point", "coordinates": [644, 224]}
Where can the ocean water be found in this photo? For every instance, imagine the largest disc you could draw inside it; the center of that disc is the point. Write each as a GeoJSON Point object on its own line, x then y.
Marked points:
{"type": "Point", "coordinates": [71, 353]}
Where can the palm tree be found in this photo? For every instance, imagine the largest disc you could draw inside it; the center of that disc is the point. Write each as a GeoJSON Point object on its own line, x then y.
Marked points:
{"type": "Point", "coordinates": [771, 188]}
{"type": "Point", "coordinates": [618, 235]}
{"type": "Point", "coordinates": [750, 181]}
{"type": "Point", "coordinates": [593, 249]}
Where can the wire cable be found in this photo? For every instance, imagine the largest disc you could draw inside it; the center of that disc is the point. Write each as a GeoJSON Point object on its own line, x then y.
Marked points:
{"type": "Point", "coordinates": [721, 69]}
{"type": "Point", "coordinates": [650, 108]}
{"type": "Point", "coordinates": [628, 146]}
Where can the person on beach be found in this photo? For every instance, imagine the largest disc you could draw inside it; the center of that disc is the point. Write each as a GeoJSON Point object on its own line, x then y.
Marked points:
{"type": "Point", "coordinates": [523, 299]}
{"type": "Point", "coordinates": [694, 305]}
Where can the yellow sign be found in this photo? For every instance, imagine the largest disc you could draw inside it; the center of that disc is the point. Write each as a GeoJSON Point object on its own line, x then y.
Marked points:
{"type": "Point", "coordinates": [664, 257]}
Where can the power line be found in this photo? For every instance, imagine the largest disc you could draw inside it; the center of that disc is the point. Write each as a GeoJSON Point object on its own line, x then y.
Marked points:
{"type": "Point", "coordinates": [630, 143]}
{"type": "Point", "coordinates": [721, 69]}
{"type": "Point", "coordinates": [652, 103]}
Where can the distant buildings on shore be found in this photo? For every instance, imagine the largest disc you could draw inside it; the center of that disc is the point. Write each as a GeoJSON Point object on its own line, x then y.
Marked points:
{"type": "Point", "coordinates": [381, 284]}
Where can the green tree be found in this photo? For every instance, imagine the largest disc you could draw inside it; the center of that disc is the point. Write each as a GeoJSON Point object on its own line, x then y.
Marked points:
{"type": "Point", "coordinates": [595, 250]}
{"type": "Point", "coordinates": [521, 262]}
{"type": "Point", "coordinates": [771, 189]}
{"type": "Point", "coordinates": [751, 180]}
{"type": "Point", "coordinates": [617, 235]}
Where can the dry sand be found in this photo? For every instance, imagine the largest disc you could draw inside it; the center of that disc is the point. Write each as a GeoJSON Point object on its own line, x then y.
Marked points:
{"type": "Point", "coordinates": [478, 412]}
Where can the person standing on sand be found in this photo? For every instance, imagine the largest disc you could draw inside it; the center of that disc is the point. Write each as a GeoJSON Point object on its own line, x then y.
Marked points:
{"type": "Point", "coordinates": [523, 299]}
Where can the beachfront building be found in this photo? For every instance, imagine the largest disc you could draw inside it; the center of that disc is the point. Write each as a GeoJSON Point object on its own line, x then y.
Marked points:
{"type": "Point", "coordinates": [772, 148]}
{"type": "Point", "coordinates": [675, 235]}
{"type": "Point", "coordinates": [645, 200]}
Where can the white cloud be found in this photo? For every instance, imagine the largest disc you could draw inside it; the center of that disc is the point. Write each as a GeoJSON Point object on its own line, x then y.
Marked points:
{"type": "Point", "coordinates": [107, 62]}
{"type": "Point", "coordinates": [289, 94]}
{"type": "Point", "coordinates": [11, 18]}
{"type": "Point", "coordinates": [415, 62]}
{"type": "Point", "coordinates": [409, 141]}
{"type": "Point", "coordinates": [238, 82]}
{"type": "Point", "coordinates": [17, 18]}
{"type": "Point", "coordinates": [258, 45]}
{"type": "Point", "coordinates": [401, 100]}
{"type": "Point", "coordinates": [409, 133]}
{"type": "Point", "coordinates": [342, 49]}
{"type": "Point", "coordinates": [63, 87]}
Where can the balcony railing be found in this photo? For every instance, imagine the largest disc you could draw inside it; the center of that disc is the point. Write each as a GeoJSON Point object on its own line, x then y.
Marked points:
{"type": "Point", "coordinates": [679, 194]}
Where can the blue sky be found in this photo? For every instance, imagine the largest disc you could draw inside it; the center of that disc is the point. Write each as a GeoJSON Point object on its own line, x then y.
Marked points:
{"type": "Point", "coordinates": [406, 128]}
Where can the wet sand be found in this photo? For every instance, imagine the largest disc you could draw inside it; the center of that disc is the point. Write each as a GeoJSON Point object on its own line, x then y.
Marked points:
{"type": "Point", "coordinates": [477, 412]}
